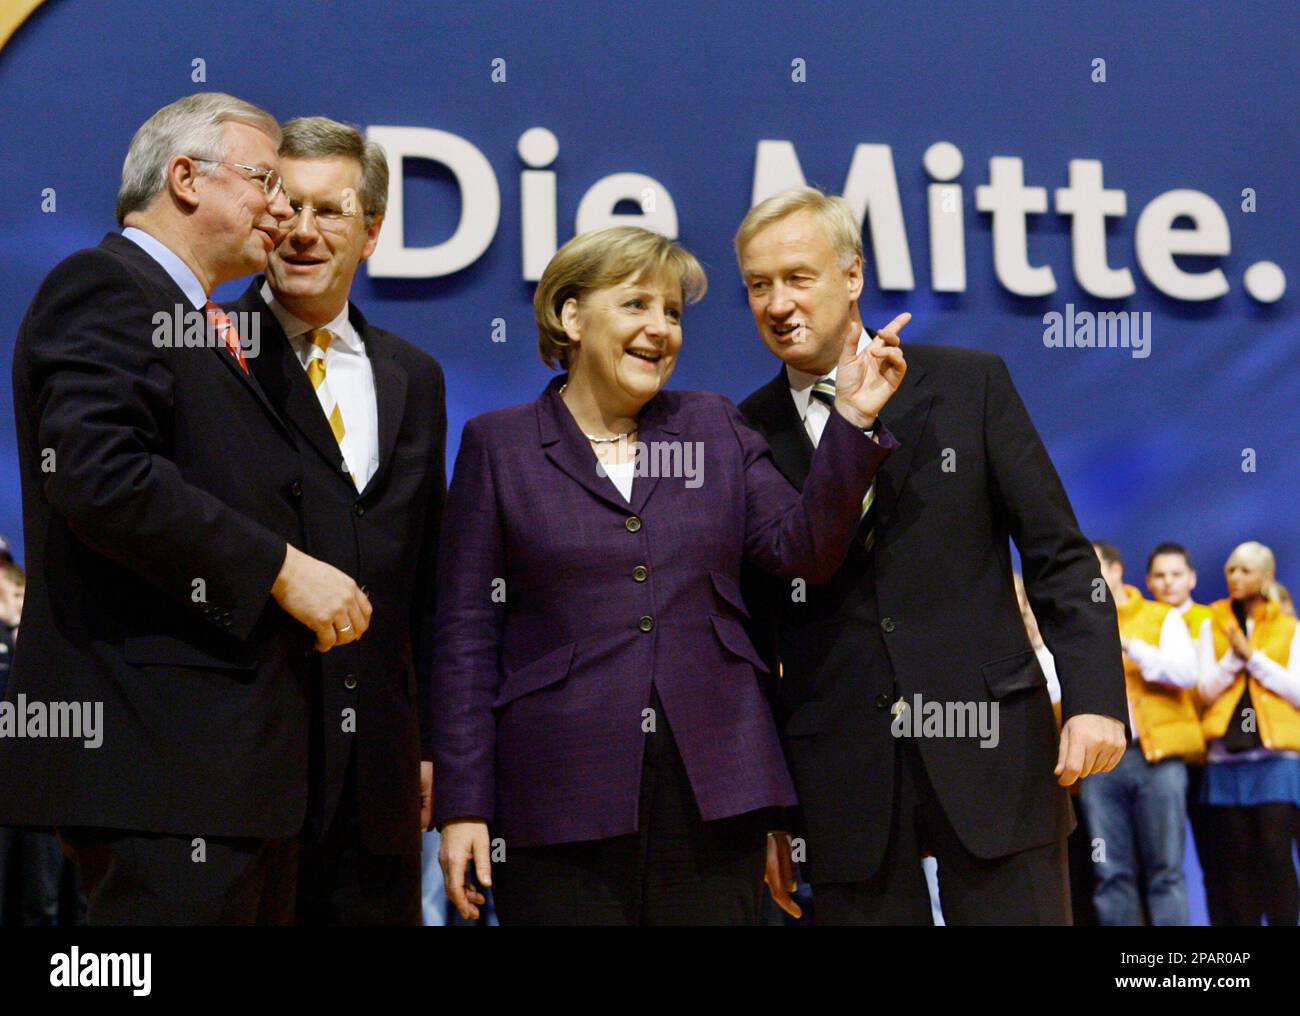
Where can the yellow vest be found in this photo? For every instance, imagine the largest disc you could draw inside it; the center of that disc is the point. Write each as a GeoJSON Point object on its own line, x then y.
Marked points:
{"type": "Point", "coordinates": [1165, 717]}
{"type": "Point", "coordinates": [1278, 719]}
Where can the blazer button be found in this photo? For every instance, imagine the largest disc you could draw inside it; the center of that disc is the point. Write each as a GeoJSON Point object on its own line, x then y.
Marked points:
{"type": "Point", "coordinates": [359, 509]}
{"type": "Point", "coordinates": [646, 623]}
{"type": "Point", "coordinates": [888, 624]}
{"type": "Point", "coordinates": [296, 488]}
{"type": "Point", "coordinates": [882, 702]}
{"type": "Point", "coordinates": [350, 683]}
{"type": "Point", "coordinates": [633, 524]}
{"type": "Point", "coordinates": [640, 572]}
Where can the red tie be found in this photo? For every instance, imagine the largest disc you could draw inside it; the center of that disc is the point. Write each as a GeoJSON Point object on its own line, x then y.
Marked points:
{"type": "Point", "coordinates": [221, 322]}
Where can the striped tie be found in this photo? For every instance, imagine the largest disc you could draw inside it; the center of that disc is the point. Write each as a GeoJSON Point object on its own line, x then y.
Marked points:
{"type": "Point", "coordinates": [824, 391]}
{"type": "Point", "coordinates": [220, 323]}
{"type": "Point", "coordinates": [320, 341]}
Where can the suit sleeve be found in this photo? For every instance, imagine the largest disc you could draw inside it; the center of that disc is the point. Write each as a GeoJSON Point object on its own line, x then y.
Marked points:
{"type": "Point", "coordinates": [470, 625]}
{"type": "Point", "coordinates": [425, 604]}
{"type": "Point", "coordinates": [104, 398]}
{"type": "Point", "coordinates": [807, 534]}
{"type": "Point", "coordinates": [1059, 566]}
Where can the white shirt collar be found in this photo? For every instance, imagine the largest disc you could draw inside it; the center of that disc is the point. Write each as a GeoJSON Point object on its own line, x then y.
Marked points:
{"type": "Point", "coordinates": [180, 272]}
{"type": "Point", "coordinates": [801, 382]}
{"type": "Point", "coordinates": [295, 328]}
{"type": "Point", "coordinates": [1185, 606]}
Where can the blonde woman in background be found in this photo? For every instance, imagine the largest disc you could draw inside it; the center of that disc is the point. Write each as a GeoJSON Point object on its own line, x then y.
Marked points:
{"type": "Point", "coordinates": [1250, 684]}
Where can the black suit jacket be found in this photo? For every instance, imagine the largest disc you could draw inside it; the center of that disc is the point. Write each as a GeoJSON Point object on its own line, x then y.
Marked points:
{"type": "Point", "coordinates": [158, 498]}
{"type": "Point", "coordinates": [931, 610]}
{"type": "Point", "coordinates": [386, 538]}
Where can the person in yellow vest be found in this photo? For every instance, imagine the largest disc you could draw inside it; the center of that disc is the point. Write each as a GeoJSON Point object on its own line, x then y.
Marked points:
{"type": "Point", "coordinates": [1138, 810]}
{"type": "Point", "coordinates": [1250, 684]}
{"type": "Point", "coordinates": [1171, 578]}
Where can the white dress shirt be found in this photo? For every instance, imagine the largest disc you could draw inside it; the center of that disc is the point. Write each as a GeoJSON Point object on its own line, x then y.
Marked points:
{"type": "Point", "coordinates": [620, 473]}
{"type": "Point", "coordinates": [814, 412]}
{"type": "Point", "coordinates": [351, 381]}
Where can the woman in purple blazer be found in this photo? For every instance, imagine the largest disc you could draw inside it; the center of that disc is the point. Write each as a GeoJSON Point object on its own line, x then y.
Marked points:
{"type": "Point", "coordinates": [603, 748]}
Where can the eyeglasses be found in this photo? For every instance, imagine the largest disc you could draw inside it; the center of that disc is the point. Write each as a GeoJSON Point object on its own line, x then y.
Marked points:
{"type": "Point", "coordinates": [272, 184]}
{"type": "Point", "coordinates": [329, 215]}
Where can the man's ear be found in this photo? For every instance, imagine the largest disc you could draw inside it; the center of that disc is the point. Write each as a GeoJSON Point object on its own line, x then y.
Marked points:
{"type": "Point", "coordinates": [372, 235]}
{"type": "Point", "coordinates": [1193, 585]}
{"type": "Point", "coordinates": [182, 182]}
{"type": "Point", "coordinates": [569, 319]}
{"type": "Point", "coordinates": [853, 274]}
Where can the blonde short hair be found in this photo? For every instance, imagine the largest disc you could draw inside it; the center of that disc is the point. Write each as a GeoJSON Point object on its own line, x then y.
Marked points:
{"type": "Point", "coordinates": [192, 126]}
{"type": "Point", "coordinates": [1254, 554]}
{"type": "Point", "coordinates": [842, 228]}
{"type": "Point", "coordinates": [605, 257]}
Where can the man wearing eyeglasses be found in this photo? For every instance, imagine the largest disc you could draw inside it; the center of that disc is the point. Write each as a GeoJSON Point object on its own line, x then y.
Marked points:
{"type": "Point", "coordinates": [369, 409]}
{"type": "Point", "coordinates": [162, 676]}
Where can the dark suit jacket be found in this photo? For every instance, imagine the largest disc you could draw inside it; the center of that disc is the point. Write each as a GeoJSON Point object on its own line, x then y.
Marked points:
{"type": "Point", "coordinates": [560, 604]}
{"type": "Point", "coordinates": [159, 493]}
{"type": "Point", "coordinates": [931, 610]}
{"type": "Point", "coordinates": [386, 538]}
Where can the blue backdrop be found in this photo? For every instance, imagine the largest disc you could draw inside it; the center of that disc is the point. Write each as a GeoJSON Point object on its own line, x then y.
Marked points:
{"type": "Point", "coordinates": [1195, 96]}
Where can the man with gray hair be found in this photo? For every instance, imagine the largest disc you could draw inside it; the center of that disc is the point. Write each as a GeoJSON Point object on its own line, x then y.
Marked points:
{"type": "Point", "coordinates": [924, 609]}
{"type": "Point", "coordinates": [369, 411]}
{"type": "Point", "coordinates": [161, 505]}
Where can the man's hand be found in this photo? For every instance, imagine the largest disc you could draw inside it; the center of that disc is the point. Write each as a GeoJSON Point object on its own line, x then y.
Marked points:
{"type": "Point", "coordinates": [865, 381]}
{"type": "Point", "coordinates": [462, 841]}
{"type": "Point", "coordinates": [1090, 743]}
{"type": "Point", "coordinates": [323, 598]}
{"type": "Point", "coordinates": [426, 796]}
{"type": "Point", "coordinates": [780, 873]}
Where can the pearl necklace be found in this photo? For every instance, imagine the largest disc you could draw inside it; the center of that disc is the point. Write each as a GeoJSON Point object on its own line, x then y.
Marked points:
{"type": "Point", "coordinates": [601, 440]}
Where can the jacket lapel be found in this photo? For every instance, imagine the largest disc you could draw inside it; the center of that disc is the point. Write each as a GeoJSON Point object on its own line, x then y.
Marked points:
{"type": "Point", "coordinates": [125, 248]}
{"type": "Point", "coordinates": [280, 373]}
{"type": "Point", "coordinates": [905, 416]}
{"type": "Point", "coordinates": [778, 420]}
{"type": "Point", "coordinates": [656, 421]}
{"type": "Point", "coordinates": [390, 393]}
{"type": "Point", "coordinates": [570, 451]}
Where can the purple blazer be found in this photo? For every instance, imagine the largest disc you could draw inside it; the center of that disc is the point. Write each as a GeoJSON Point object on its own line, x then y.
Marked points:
{"type": "Point", "coordinates": [559, 604]}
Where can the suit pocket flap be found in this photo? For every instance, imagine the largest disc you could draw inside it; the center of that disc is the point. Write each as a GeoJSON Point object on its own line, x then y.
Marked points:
{"type": "Point", "coordinates": [541, 672]}
{"type": "Point", "coordinates": [163, 650]}
{"type": "Point", "coordinates": [732, 635]}
{"type": "Point", "coordinates": [729, 589]}
{"type": "Point", "coordinates": [1018, 672]}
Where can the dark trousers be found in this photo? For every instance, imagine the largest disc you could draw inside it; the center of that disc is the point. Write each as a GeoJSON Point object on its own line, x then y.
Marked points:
{"type": "Point", "coordinates": [340, 882]}
{"type": "Point", "coordinates": [676, 869]}
{"type": "Point", "coordinates": [1259, 872]}
{"type": "Point", "coordinates": [1208, 837]}
{"type": "Point", "coordinates": [134, 878]}
{"type": "Point", "coordinates": [31, 878]}
{"type": "Point", "coordinates": [1029, 887]}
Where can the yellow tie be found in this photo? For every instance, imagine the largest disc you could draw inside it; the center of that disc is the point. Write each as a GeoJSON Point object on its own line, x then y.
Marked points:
{"type": "Point", "coordinates": [320, 341]}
